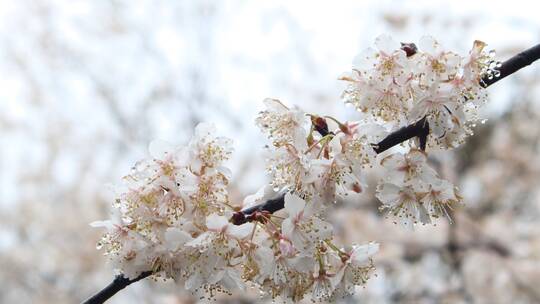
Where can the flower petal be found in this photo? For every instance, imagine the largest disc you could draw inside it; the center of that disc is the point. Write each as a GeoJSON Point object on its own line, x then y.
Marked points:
{"type": "Point", "coordinates": [240, 232]}
{"type": "Point", "coordinates": [428, 45]}
{"type": "Point", "coordinates": [362, 253]}
{"type": "Point", "coordinates": [366, 60]}
{"type": "Point", "coordinates": [388, 193]}
{"type": "Point", "coordinates": [216, 222]}
{"type": "Point", "coordinates": [294, 204]}
{"type": "Point", "coordinates": [105, 224]}
{"type": "Point", "coordinates": [175, 237]}
{"type": "Point", "coordinates": [386, 44]}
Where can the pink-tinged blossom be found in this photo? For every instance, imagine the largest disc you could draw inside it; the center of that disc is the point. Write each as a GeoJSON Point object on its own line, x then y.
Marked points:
{"type": "Point", "coordinates": [439, 199]}
{"type": "Point", "coordinates": [393, 89]}
{"type": "Point", "coordinates": [355, 268]}
{"type": "Point", "coordinates": [437, 64]}
{"type": "Point", "coordinates": [402, 168]}
{"type": "Point", "coordinates": [440, 107]}
{"type": "Point", "coordinates": [302, 227]}
{"type": "Point", "coordinates": [175, 214]}
{"type": "Point", "coordinates": [281, 124]}
{"type": "Point", "coordinates": [403, 204]}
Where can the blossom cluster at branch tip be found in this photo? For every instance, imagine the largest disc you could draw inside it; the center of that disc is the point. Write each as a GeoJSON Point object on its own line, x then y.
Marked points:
{"type": "Point", "coordinates": [393, 85]}
{"type": "Point", "coordinates": [323, 168]}
{"type": "Point", "coordinates": [396, 86]}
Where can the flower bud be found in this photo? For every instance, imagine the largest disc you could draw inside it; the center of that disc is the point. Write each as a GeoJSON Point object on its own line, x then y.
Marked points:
{"type": "Point", "coordinates": [409, 48]}
{"type": "Point", "coordinates": [320, 125]}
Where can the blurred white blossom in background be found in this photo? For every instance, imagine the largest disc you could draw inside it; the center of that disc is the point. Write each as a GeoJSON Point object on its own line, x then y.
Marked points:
{"type": "Point", "coordinates": [86, 85]}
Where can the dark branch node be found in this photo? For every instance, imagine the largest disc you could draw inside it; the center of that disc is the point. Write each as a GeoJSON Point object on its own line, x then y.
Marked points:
{"type": "Point", "coordinates": [418, 129]}
{"type": "Point", "coordinates": [252, 213]}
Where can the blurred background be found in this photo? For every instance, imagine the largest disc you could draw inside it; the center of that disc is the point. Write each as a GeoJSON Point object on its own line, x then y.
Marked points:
{"type": "Point", "coordinates": [86, 85]}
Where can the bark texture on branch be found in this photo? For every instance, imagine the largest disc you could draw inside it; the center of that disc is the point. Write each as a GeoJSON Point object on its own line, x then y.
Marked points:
{"type": "Point", "coordinates": [418, 129]}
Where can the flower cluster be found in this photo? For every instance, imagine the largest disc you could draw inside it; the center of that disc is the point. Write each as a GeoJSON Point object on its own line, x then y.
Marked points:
{"type": "Point", "coordinates": [323, 165]}
{"type": "Point", "coordinates": [398, 85]}
{"type": "Point", "coordinates": [167, 204]}
{"type": "Point", "coordinates": [176, 220]}
{"type": "Point", "coordinates": [314, 162]}
{"type": "Point", "coordinates": [412, 191]}
{"type": "Point", "coordinates": [296, 256]}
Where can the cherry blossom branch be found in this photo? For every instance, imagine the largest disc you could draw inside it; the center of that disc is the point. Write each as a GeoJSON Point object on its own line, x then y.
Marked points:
{"type": "Point", "coordinates": [418, 129]}
{"type": "Point", "coordinates": [120, 282]}
{"type": "Point", "coordinates": [252, 213]}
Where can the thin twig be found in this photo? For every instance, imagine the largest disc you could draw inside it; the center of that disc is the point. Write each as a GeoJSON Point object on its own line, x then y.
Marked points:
{"type": "Point", "coordinates": [120, 282]}
{"type": "Point", "coordinates": [513, 65]}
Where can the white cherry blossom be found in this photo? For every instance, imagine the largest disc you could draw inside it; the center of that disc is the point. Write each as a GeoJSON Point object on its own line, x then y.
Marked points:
{"type": "Point", "coordinates": [440, 197]}
{"type": "Point", "coordinates": [438, 64]}
{"type": "Point", "coordinates": [355, 268]}
{"type": "Point", "coordinates": [302, 227]}
{"type": "Point", "coordinates": [322, 286]}
{"type": "Point", "coordinates": [175, 217]}
{"type": "Point", "coordinates": [402, 202]}
{"type": "Point", "coordinates": [387, 60]}
{"type": "Point", "coordinates": [283, 125]}
{"type": "Point", "coordinates": [406, 167]}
